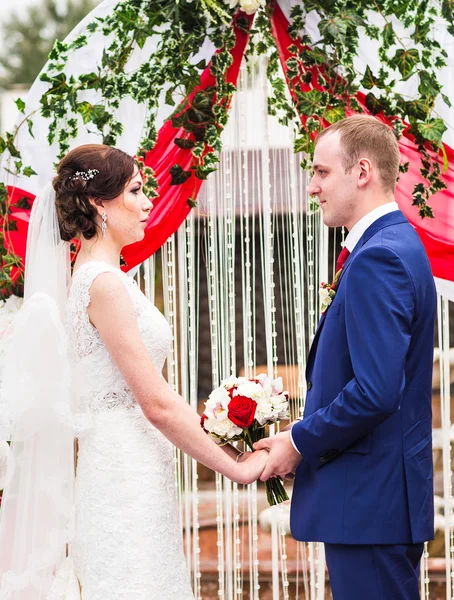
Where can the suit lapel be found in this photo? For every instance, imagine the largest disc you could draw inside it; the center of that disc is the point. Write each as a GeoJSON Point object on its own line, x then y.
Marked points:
{"type": "Point", "coordinates": [392, 218]}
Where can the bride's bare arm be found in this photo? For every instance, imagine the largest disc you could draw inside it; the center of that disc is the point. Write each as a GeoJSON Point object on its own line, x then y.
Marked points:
{"type": "Point", "coordinates": [112, 313]}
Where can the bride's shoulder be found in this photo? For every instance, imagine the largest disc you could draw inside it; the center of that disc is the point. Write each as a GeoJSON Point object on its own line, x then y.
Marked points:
{"type": "Point", "coordinates": [95, 277]}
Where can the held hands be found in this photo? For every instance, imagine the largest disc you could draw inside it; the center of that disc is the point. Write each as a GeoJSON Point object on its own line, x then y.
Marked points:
{"type": "Point", "coordinates": [283, 459]}
{"type": "Point", "coordinates": [275, 456]}
{"type": "Point", "coordinates": [250, 466]}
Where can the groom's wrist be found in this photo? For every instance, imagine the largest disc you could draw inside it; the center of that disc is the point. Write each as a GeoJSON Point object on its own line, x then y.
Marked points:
{"type": "Point", "coordinates": [291, 437]}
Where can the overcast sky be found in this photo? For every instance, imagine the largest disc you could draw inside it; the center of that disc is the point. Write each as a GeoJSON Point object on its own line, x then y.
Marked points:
{"type": "Point", "coordinates": [6, 6]}
{"type": "Point", "coordinates": [9, 6]}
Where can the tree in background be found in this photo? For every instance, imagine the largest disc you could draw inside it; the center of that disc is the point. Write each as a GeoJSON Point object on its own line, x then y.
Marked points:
{"type": "Point", "coordinates": [28, 37]}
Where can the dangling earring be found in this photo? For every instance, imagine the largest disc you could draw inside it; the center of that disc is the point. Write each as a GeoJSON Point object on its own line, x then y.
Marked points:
{"type": "Point", "coordinates": [104, 224]}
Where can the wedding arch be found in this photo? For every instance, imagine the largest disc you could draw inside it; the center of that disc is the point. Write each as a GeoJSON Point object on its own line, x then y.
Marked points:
{"type": "Point", "coordinates": [221, 101]}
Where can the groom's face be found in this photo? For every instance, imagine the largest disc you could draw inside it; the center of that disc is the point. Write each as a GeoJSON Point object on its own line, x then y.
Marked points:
{"type": "Point", "coordinates": [335, 189]}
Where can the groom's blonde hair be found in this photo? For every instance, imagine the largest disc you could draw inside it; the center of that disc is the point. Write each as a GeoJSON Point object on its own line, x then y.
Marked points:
{"type": "Point", "coordinates": [363, 136]}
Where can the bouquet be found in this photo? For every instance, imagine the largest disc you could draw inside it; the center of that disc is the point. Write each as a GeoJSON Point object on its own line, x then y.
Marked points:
{"type": "Point", "coordinates": [240, 409]}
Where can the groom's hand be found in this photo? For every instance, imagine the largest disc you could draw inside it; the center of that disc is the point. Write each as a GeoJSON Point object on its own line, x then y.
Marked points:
{"type": "Point", "coordinates": [283, 458]}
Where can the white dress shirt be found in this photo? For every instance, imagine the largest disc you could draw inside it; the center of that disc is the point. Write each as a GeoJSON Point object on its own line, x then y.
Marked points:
{"type": "Point", "coordinates": [356, 233]}
{"type": "Point", "coordinates": [359, 228]}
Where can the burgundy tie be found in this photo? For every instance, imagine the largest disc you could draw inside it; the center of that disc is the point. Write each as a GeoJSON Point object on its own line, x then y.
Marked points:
{"type": "Point", "coordinates": [344, 254]}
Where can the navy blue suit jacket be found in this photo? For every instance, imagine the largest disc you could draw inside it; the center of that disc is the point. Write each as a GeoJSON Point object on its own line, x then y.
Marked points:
{"type": "Point", "coordinates": [366, 434]}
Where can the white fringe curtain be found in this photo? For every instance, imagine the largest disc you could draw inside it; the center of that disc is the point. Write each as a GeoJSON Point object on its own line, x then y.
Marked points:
{"type": "Point", "coordinates": [264, 254]}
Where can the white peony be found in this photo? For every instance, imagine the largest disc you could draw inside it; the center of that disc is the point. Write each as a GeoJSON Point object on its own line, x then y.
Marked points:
{"type": "Point", "coordinates": [280, 404]}
{"type": "Point", "coordinates": [224, 429]}
{"type": "Point", "coordinates": [264, 413]}
{"type": "Point", "coordinates": [232, 381]}
{"type": "Point", "coordinates": [279, 400]}
{"type": "Point", "coordinates": [251, 6]}
{"type": "Point", "coordinates": [277, 385]}
{"type": "Point", "coordinates": [251, 389]}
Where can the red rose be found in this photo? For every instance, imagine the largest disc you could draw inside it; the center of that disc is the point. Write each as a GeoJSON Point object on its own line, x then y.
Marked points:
{"type": "Point", "coordinates": [241, 411]}
{"type": "Point", "coordinates": [202, 421]}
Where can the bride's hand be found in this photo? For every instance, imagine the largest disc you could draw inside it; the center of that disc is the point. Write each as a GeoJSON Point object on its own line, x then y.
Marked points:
{"type": "Point", "coordinates": [250, 466]}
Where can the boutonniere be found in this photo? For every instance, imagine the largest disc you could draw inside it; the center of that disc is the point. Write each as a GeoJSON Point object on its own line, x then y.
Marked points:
{"type": "Point", "coordinates": [327, 292]}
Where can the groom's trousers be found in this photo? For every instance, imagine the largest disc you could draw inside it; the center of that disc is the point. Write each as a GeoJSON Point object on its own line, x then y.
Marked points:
{"type": "Point", "coordinates": [387, 572]}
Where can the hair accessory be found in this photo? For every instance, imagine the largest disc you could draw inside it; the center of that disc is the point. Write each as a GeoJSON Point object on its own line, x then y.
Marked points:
{"type": "Point", "coordinates": [104, 224]}
{"type": "Point", "coordinates": [85, 175]}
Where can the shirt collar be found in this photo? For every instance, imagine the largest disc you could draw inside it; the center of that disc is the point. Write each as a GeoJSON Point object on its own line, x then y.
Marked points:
{"type": "Point", "coordinates": [360, 227]}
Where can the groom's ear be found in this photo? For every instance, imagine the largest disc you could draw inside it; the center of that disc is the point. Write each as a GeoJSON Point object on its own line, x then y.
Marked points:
{"type": "Point", "coordinates": [365, 171]}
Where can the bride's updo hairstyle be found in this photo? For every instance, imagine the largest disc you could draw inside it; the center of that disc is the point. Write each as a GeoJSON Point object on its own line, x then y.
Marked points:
{"type": "Point", "coordinates": [90, 171]}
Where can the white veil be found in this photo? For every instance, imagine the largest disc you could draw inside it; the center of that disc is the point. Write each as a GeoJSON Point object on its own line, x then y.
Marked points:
{"type": "Point", "coordinates": [36, 513]}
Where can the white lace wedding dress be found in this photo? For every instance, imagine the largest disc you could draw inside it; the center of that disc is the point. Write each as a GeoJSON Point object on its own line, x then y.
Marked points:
{"type": "Point", "coordinates": [128, 543]}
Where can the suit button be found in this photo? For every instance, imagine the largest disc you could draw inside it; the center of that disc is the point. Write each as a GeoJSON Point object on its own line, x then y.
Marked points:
{"type": "Point", "coordinates": [323, 459]}
{"type": "Point", "coordinates": [309, 385]}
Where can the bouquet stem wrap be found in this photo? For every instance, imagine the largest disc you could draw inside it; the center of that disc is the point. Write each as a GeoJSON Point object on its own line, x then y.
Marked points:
{"type": "Point", "coordinates": [274, 487]}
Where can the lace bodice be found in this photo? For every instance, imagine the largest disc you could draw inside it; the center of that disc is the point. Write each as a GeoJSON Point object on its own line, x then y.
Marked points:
{"type": "Point", "coordinates": [97, 379]}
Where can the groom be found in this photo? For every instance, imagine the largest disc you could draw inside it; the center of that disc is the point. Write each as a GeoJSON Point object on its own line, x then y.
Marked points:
{"type": "Point", "coordinates": [363, 450]}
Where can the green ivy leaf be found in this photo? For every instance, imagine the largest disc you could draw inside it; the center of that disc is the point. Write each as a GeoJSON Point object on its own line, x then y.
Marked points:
{"type": "Point", "coordinates": [90, 81]}
{"type": "Point", "coordinates": [319, 5]}
{"type": "Point", "coordinates": [23, 203]}
{"type": "Point", "coordinates": [369, 80]}
{"type": "Point", "coordinates": [141, 37]}
{"type": "Point", "coordinates": [314, 56]}
{"type": "Point", "coordinates": [335, 27]}
{"type": "Point", "coordinates": [20, 105]}
{"type": "Point", "coordinates": [373, 104]}
{"type": "Point", "coordinates": [179, 175]}
{"type": "Point", "coordinates": [433, 130]}
{"type": "Point", "coordinates": [202, 172]}
{"type": "Point", "coordinates": [415, 109]}
{"type": "Point", "coordinates": [303, 143]}
{"type": "Point", "coordinates": [447, 10]}
{"type": "Point", "coordinates": [184, 143]}
{"type": "Point", "coordinates": [335, 113]}
{"type": "Point", "coordinates": [446, 100]}
{"type": "Point", "coordinates": [428, 85]}
{"type": "Point", "coordinates": [28, 172]}
{"type": "Point", "coordinates": [426, 211]}
{"type": "Point", "coordinates": [309, 102]}
{"type": "Point", "coordinates": [405, 61]}
{"type": "Point", "coordinates": [388, 35]}
{"type": "Point", "coordinates": [30, 127]}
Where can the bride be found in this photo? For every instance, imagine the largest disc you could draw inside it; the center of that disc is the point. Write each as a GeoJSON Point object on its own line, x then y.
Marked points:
{"type": "Point", "coordinates": [118, 527]}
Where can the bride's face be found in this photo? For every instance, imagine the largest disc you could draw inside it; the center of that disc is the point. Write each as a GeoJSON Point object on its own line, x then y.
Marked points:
{"type": "Point", "coordinates": [127, 215]}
